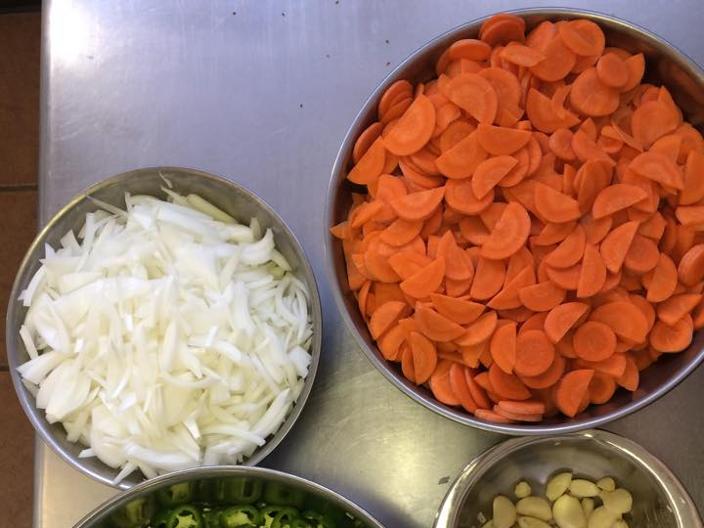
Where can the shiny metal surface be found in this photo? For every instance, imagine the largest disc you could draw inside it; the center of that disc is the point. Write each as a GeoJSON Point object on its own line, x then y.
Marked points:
{"type": "Point", "coordinates": [659, 500]}
{"type": "Point", "coordinates": [686, 82]}
{"type": "Point", "coordinates": [232, 198]}
{"type": "Point", "coordinates": [210, 486]}
{"type": "Point", "coordinates": [128, 84]}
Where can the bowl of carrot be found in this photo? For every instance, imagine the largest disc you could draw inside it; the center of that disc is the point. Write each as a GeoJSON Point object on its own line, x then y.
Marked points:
{"type": "Point", "coordinates": [514, 222]}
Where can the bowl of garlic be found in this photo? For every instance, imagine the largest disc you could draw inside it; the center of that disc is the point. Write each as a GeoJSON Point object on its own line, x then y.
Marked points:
{"type": "Point", "coordinates": [593, 479]}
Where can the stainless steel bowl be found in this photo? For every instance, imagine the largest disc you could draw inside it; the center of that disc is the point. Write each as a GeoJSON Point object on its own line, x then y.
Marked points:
{"type": "Point", "coordinates": [659, 500]}
{"type": "Point", "coordinates": [666, 65]}
{"type": "Point", "coordinates": [212, 485]}
{"type": "Point", "coordinates": [228, 196]}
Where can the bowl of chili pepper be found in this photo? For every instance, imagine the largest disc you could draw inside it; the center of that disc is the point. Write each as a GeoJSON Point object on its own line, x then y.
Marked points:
{"type": "Point", "coordinates": [229, 496]}
{"type": "Point", "coordinates": [512, 225]}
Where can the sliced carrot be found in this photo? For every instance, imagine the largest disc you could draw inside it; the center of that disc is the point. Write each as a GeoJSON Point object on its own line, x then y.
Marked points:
{"type": "Point", "coordinates": [612, 70]}
{"type": "Point", "coordinates": [457, 288]}
{"type": "Point", "coordinates": [521, 55]}
{"type": "Point", "coordinates": [636, 69]}
{"type": "Point", "coordinates": [616, 198]}
{"type": "Point", "coordinates": [567, 278]}
{"type": "Point", "coordinates": [390, 343]}
{"type": "Point", "coordinates": [392, 115]}
{"type": "Point", "coordinates": [503, 347]}
{"type": "Point", "coordinates": [490, 172]}
{"type": "Point", "coordinates": [401, 232]}
{"type": "Point", "coordinates": [553, 233]}
{"type": "Point", "coordinates": [534, 353]}
{"type": "Point", "coordinates": [435, 326]}
{"type": "Point", "coordinates": [502, 28]}
{"type": "Point", "coordinates": [675, 338]}
{"type": "Point", "coordinates": [593, 273]}
{"type": "Point", "coordinates": [499, 141]}
{"type": "Point", "coordinates": [664, 280]}
{"type": "Point", "coordinates": [590, 96]}
{"type": "Point", "coordinates": [677, 306]}
{"type": "Point", "coordinates": [569, 251]}
{"type": "Point", "coordinates": [571, 390]}
{"type": "Point", "coordinates": [548, 378]}
{"type": "Point", "coordinates": [471, 49]}
{"type": "Point", "coordinates": [652, 120]}
{"type": "Point", "coordinates": [425, 357]}
{"type": "Point", "coordinates": [594, 341]}
{"type": "Point", "coordinates": [526, 407]}
{"type": "Point", "coordinates": [601, 388]}
{"type": "Point", "coordinates": [475, 95]}
{"type": "Point", "coordinates": [630, 379]}
{"type": "Point", "coordinates": [458, 265]}
{"type": "Point", "coordinates": [413, 129]}
{"type": "Point", "coordinates": [559, 60]}
{"type": "Point", "coordinates": [479, 331]}
{"type": "Point", "coordinates": [541, 297]}
{"type": "Point", "coordinates": [509, 234]}
{"type": "Point", "coordinates": [507, 386]}
{"type": "Point", "coordinates": [365, 140]}
{"type": "Point", "coordinates": [561, 144]}
{"type": "Point", "coordinates": [370, 165]}
{"type": "Point", "coordinates": [658, 167]}
{"type": "Point", "coordinates": [693, 188]}
{"type": "Point", "coordinates": [461, 311]}
{"type": "Point", "coordinates": [490, 416]}
{"type": "Point", "coordinates": [385, 316]}
{"type": "Point", "coordinates": [615, 246]}
{"type": "Point", "coordinates": [555, 206]}
{"type": "Point", "coordinates": [691, 266]}
{"type": "Point", "coordinates": [398, 90]}
{"type": "Point", "coordinates": [583, 37]}
{"type": "Point", "coordinates": [418, 205]}
{"type": "Point", "coordinates": [625, 319]}
{"type": "Point", "coordinates": [508, 298]}
{"type": "Point", "coordinates": [425, 281]}
{"type": "Point", "coordinates": [488, 278]}
{"type": "Point", "coordinates": [460, 388]}
{"type": "Point", "coordinates": [562, 318]}
{"type": "Point", "coordinates": [541, 113]}
{"type": "Point", "coordinates": [439, 383]}
{"type": "Point", "coordinates": [461, 159]}
{"type": "Point", "coordinates": [407, 263]}
{"type": "Point", "coordinates": [642, 255]}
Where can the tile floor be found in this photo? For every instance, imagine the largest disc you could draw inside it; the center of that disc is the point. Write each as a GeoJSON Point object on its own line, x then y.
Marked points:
{"type": "Point", "coordinates": [19, 125]}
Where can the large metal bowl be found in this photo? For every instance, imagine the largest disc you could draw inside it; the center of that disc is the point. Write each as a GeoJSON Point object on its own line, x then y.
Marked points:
{"type": "Point", "coordinates": [211, 485]}
{"type": "Point", "coordinates": [228, 196]}
{"type": "Point", "coordinates": [666, 65]}
{"type": "Point", "coordinates": [659, 499]}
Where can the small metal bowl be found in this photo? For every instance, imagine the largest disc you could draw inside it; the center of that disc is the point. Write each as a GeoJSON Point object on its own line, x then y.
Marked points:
{"type": "Point", "coordinates": [228, 196]}
{"type": "Point", "coordinates": [659, 499]}
{"type": "Point", "coordinates": [665, 65]}
{"type": "Point", "coordinates": [216, 486]}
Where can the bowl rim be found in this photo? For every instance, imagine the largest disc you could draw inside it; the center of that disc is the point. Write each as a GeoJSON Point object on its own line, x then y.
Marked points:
{"type": "Point", "coordinates": [37, 416]}
{"type": "Point", "coordinates": [683, 508]}
{"type": "Point", "coordinates": [227, 471]}
{"type": "Point", "coordinates": [329, 242]}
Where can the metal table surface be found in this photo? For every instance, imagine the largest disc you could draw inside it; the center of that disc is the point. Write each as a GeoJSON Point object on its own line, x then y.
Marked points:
{"type": "Point", "coordinates": [262, 92]}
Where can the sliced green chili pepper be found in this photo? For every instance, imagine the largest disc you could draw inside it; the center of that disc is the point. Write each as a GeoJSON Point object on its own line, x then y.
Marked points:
{"type": "Point", "coordinates": [279, 516]}
{"type": "Point", "coordinates": [161, 519]}
{"type": "Point", "coordinates": [185, 516]}
{"type": "Point", "coordinates": [319, 520]}
{"type": "Point", "coordinates": [181, 493]}
{"type": "Point", "coordinates": [212, 518]}
{"type": "Point", "coordinates": [302, 523]}
{"type": "Point", "coordinates": [240, 516]}
{"type": "Point", "coordinates": [238, 490]}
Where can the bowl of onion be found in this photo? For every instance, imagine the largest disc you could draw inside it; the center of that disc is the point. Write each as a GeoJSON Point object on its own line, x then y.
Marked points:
{"type": "Point", "coordinates": [164, 318]}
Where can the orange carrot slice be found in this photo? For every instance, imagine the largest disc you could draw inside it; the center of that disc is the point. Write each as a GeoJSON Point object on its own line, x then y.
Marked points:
{"type": "Point", "coordinates": [425, 281]}
{"type": "Point", "coordinates": [664, 280]}
{"type": "Point", "coordinates": [488, 278]}
{"type": "Point", "coordinates": [370, 165]}
{"type": "Point", "coordinates": [439, 383]}
{"type": "Point", "coordinates": [503, 347]}
{"type": "Point", "coordinates": [555, 206]}
{"type": "Point", "coordinates": [569, 251]}
{"type": "Point", "coordinates": [418, 205]}
{"type": "Point", "coordinates": [534, 353]}
{"type": "Point", "coordinates": [509, 234]}
{"type": "Point", "coordinates": [624, 318]}
{"type": "Point", "coordinates": [385, 316]}
{"type": "Point", "coordinates": [652, 120]}
{"type": "Point", "coordinates": [675, 338]}
{"type": "Point", "coordinates": [461, 160]}
{"type": "Point", "coordinates": [461, 311]}
{"type": "Point", "coordinates": [612, 70]}
{"type": "Point", "coordinates": [425, 357]}
{"type": "Point", "coordinates": [365, 140]}
{"type": "Point", "coordinates": [601, 388]}
{"type": "Point", "coordinates": [657, 167]}
{"type": "Point", "coordinates": [435, 326]}
{"type": "Point", "coordinates": [508, 298]}
{"type": "Point", "coordinates": [572, 389]}
{"type": "Point", "coordinates": [676, 307]}
{"type": "Point", "coordinates": [615, 246]}
{"type": "Point", "coordinates": [475, 95]}
{"type": "Point", "coordinates": [616, 198]}
{"type": "Point", "coordinates": [414, 128]}
{"type": "Point", "coordinates": [693, 190]}
{"type": "Point", "coordinates": [541, 113]}
{"type": "Point", "coordinates": [691, 266]}
{"type": "Point", "coordinates": [499, 141]}
{"type": "Point", "coordinates": [490, 172]}
{"type": "Point", "coordinates": [541, 297]}
{"type": "Point", "coordinates": [594, 341]}
{"type": "Point", "coordinates": [642, 256]}
{"type": "Point", "coordinates": [507, 386]}
{"type": "Point", "coordinates": [460, 389]}
{"type": "Point", "coordinates": [590, 96]}
{"type": "Point", "coordinates": [479, 331]}
{"type": "Point", "coordinates": [562, 318]}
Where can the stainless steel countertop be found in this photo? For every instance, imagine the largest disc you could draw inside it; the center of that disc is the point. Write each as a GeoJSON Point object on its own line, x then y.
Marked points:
{"type": "Point", "coordinates": [262, 92]}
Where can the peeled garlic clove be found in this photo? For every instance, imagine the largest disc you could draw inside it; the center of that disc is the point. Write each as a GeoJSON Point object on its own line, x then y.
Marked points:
{"type": "Point", "coordinates": [606, 483]}
{"type": "Point", "coordinates": [558, 485]}
{"type": "Point", "coordinates": [534, 507]}
{"type": "Point", "coordinates": [531, 522]}
{"type": "Point", "coordinates": [504, 512]}
{"type": "Point", "coordinates": [583, 488]}
{"type": "Point", "coordinates": [587, 506]}
{"type": "Point", "coordinates": [568, 513]}
{"type": "Point", "coordinates": [618, 501]}
{"type": "Point", "coordinates": [522, 490]}
{"type": "Point", "coordinates": [602, 518]}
